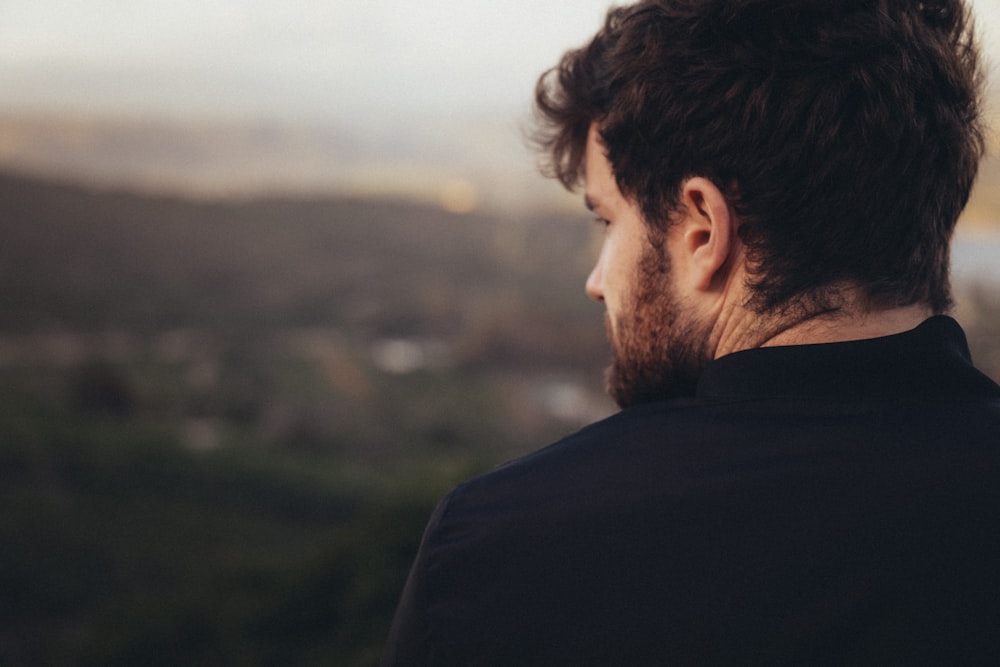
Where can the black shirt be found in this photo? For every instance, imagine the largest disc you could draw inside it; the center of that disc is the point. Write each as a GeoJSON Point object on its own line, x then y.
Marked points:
{"type": "Point", "coordinates": [816, 504]}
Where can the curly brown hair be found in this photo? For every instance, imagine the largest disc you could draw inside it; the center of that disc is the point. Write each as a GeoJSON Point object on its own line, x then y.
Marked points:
{"type": "Point", "coordinates": [845, 133]}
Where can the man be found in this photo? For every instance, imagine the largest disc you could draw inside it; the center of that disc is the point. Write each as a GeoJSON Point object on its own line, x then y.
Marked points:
{"type": "Point", "coordinates": [806, 468]}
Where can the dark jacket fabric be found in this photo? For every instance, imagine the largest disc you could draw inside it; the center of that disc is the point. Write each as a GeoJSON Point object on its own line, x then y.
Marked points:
{"type": "Point", "coordinates": [816, 504]}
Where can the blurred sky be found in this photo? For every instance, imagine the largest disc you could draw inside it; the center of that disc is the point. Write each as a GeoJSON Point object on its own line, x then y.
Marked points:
{"type": "Point", "coordinates": [310, 59]}
{"type": "Point", "coordinates": [342, 60]}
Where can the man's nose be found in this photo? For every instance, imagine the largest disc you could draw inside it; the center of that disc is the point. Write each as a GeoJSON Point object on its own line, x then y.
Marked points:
{"type": "Point", "coordinates": [595, 283]}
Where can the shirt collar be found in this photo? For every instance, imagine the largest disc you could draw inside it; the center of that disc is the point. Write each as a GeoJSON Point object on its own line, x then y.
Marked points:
{"type": "Point", "coordinates": [932, 360]}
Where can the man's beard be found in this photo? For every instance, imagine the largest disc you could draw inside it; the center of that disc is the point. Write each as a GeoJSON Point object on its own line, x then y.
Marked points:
{"type": "Point", "coordinates": [659, 348]}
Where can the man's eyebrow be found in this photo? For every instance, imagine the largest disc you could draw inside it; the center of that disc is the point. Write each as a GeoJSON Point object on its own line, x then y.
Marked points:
{"type": "Point", "coordinates": [589, 203]}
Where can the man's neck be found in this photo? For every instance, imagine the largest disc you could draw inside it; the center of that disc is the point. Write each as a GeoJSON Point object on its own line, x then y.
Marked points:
{"type": "Point", "coordinates": [840, 327]}
{"type": "Point", "coordinates": [744, 329]}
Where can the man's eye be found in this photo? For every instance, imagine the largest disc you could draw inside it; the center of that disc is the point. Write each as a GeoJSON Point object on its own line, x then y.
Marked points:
{"type": "Point", "coordinates": [603, 222]}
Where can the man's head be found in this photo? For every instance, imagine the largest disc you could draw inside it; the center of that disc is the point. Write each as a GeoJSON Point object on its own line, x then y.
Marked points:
{"type": "Point", "coordinates": [844, 134]}
{"type": "Point", "coordinates": [806, 148]}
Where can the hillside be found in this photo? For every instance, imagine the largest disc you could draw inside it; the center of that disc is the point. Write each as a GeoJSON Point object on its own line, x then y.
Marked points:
{"type": "Point", "coordinates": [240, 414]}
{"type": "Point", "coordinates": [112, 277]}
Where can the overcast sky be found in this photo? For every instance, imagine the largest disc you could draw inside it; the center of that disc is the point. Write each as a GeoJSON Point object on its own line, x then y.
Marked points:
{"type": "Point", "coordinates": [317, 58]}
{"type": "Point", "coordinates": [314, 59]}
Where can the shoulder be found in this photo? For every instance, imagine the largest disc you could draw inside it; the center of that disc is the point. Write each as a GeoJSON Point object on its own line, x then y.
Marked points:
{"type": "Point", "coordinates": [614, 466]}
{"type": "Point", "coordinates": [510, 550]}
{"type": "Point", "coordinates": [605, 451]}
{"type": "Point", "coordinates": [660, 452]}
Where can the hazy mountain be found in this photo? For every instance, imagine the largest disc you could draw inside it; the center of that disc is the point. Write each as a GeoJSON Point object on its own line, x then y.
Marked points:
{"type": "Point", "coordinates": [460, 162]}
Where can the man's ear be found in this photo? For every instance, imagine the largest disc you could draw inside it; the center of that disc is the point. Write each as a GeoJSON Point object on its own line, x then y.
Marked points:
{"type": "Point", "coordinates": [708, 233]}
